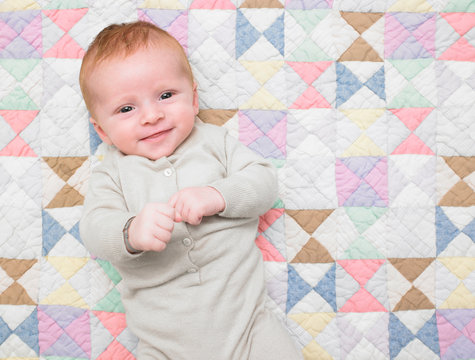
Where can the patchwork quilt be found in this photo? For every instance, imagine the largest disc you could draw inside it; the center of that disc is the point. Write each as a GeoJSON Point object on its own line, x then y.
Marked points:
{"type": "Point", "coordinates": [367, 109]}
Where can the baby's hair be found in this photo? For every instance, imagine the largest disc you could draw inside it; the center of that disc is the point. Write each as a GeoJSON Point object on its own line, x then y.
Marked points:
{"type": "Point", "coordinates": [122, 40]}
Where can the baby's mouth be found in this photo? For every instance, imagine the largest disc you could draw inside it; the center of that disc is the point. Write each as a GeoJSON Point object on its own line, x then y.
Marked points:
{"type": "Point", "coordinates": [156, 135]}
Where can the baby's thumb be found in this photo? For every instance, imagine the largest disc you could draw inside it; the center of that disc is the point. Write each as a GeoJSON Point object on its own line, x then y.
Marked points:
{"type": "Point", "coordinates": [178, 217]}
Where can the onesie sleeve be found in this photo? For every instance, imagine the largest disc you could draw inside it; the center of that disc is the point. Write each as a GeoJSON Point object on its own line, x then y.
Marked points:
{"type": "Point", "coordinates": [104, 216]}
{"type": "Point", "coordinates": [250, 187]}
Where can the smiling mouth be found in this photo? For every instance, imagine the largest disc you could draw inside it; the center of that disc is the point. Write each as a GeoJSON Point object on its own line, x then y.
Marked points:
{"type": "Point", "coordinates": [156, 136]}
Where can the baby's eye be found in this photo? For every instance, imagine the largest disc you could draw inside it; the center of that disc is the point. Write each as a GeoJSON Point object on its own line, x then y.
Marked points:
{"type": "Point", "coordinates": [126, 109]}
{"type": "Point", "coordinates": [166, 95]}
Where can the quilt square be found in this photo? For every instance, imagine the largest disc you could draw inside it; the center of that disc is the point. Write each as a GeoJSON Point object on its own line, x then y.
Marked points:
{"type": "Point", "coordinates": [21, 34]}
{"type": "Point", "coordinates": [360, 85]}
{"type": "Point", "coordinates": [20, 207]}
{"type": "Point", "coordinates": [412, 181]}
{"type": "Point", "coordinates": [411, 284]}
{"type": "Point", "coordinates": [456, 329]}
{"type": "Point", "coordinates": [263, 89]}
{"type": "Point", "coordinates": [308, 35]}
{"type": "Point", "coordinates": [175, 22]}
{"type": "Point", "coordinates": [455, 228]}
{"type": "Point", "coordinates": [65, 182]}
{"type": "Point", "coordinates": [259, 34]}
{"type": "Point", "coordinates": [411, 233]}
{"type": "Point", "coordinates": [210, 36]}
{"type": "Point", "coordinates": [455, 277]}
{"type": "Point", "coordinates": [359, 232]}
{"type": "Point", "coordinates": [310, 235]}
{"type": "Point", "coordinates": [455, 131]}
{"type": "Point", "coordinates": [410, 35]}
{"type": "Point", "coordinates": [362, 181]}
{"type": "Point", "coordinates": [58, 34]}
{"type": "Point", "coordinates": [19, 281]}
{"type": "Point", "coordinates": [311, 288]}
{"type": "Point", "coordinates": [19, 88]}
{"type": "Point", "coordinates": [369, 42]}
{"type": "Point", "coordinates": [19, 135]}
{"type": "Point", "coordinates": [264, 132]}
{"type": "Point", "coordinates": [64, 331]}
{"type": "Point", "coordinates": [362, 132]}
{"type": "Point", "coordinates": [313, 84]}
{"type": "Point", "coordinates": [359, 286]}
{"type": "Point", "coordinates": [18, 332]}
{"type": "Point", "coordinates": [110, 337]}
{"type": "Point", "coordinates": [404, 83]}
{"type": "Point", "coordinates": [309, 183]}
{"type": "Point", "coordinates": [455, 83]}
{"type": "Point", "coordinates": [413, 332]}
{"type": "Point", "coordinates": [455, 36]}
{"type": "Point", "coordinates": [317, 334]}
{"type": "Point", "coordinates": [364, 335]}
{"type": "Point", "coordinates": [311, 132]}
{"type": "Point", "coordinates": [271, 239]}
{"type": "Point", "coordinates": [456, 181]}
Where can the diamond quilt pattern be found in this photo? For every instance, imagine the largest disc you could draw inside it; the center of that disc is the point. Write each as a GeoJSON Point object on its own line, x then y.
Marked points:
{"type": "Point", "coordinates": [364, 107]}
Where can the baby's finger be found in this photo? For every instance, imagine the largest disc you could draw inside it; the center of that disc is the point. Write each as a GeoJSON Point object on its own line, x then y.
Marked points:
{"type": "Point", "coordinates": [166, 209]}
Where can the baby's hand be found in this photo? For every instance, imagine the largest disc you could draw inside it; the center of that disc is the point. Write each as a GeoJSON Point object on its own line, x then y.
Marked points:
{"type": "Point", "coordinates": [191, 204]}
{"type": "Point", "coordinates": [152, 228]}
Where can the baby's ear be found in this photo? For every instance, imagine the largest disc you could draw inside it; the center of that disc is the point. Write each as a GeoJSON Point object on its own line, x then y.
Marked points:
{"type": "Point", "coordinates": [196, 102]}
{"type": "Point", "coordinates": [102, 134]}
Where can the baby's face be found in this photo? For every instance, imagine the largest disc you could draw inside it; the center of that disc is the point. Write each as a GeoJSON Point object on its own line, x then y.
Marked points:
{"type": "Point", "coordinates": [144, 104]}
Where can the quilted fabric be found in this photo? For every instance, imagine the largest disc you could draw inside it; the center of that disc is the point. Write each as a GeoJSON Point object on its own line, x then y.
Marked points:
{"type": "Point", "coordinates": [365, 107]}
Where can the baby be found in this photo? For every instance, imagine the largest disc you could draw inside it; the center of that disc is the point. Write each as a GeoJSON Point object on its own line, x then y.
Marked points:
{"type": "Point", "coordinates": [174, 206]}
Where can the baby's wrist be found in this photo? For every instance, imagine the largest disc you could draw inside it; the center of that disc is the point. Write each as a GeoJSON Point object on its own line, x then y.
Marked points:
{"type": "Point", "coordinates": [125, 233]}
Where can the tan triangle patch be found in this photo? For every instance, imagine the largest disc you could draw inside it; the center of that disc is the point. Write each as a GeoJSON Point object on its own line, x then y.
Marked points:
{"type": "Point", "coordinates": [460, 195]}
{"type": "Point", "coordinates": [16, 295]}
{"type": "Point", "coordinates": [268, 4]}
{"type": "Point", "coordinates": [313, 252]}
{"type": "Point", "coordinates": [66, 197]}
{"type": "Point", "coordinates": [16, 268]}
{"type": "Point", "coordinates": [411, 268]}
{"type": "Point", "coordinates": [65, 167]}
{"type": "Point", "coordinates": [360, 50]}
{"type": "Point", "coordinates": [309, 220]}
{"type": "Point", "coordinates": [414, 299]}
{"type": "Point", "coordinates": [361, 21]}
{"type": "Point", "coordinates": [215, 116]}
{"type": "Point", "coordinates": [461, 165]}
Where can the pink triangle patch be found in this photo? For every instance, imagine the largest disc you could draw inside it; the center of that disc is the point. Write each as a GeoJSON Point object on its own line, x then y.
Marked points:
{"type": "Point", "coordinates": [348, 181]}
{"type": "Point", "coordinates": [114, 351]}
{"type": "Point", "coordinates": [377, 178]}
{"type": "Point", "coordinates": [18, 147]}
{"type": "Point", "coordinates": [269, 252]}
{"type": "Point", "coordinates": [461, 50]}
{"type": "Point", "coordinates": [65, 19]}
{"type": "Point", "coordinates": [311, 98]}
{"type": "Point", "coordinates": [32, 33]}
{"type": "Point", "coordinates": [179, 30]}
{"type": "Point", "coordinates": [248, 131]}
{"type": "Point", "coordinates": [214, 4]}
{"type": "Point", "coordinates": [412, 117]}
{"type": "Point", "coordinates": [278, 135]}
{"type": "Point", "coordinates": [413, 145]}
{"type": "Point", "coordinates": [115, 323]}
{"type": "Point", "coordinates": [66, 48]}
{"type": "Point", "coordinates": [18, 119]}
{"type": "Point", "coordinates": [266, 220]}
{"type": "Point", "coordinates": [309, 71]}
{"type": "Point", "coordinates": [449, 333]}
{"type": "Point", "coordinates": [361, 270]}
{"type": "Point", "coordinates": [461, 22]}
{"type": "Point", "coordinates": [76, 331]}
{"type": "Point", "coordinates": [363, 301]}
{"type": "Point", "coordinates": [49, 331]}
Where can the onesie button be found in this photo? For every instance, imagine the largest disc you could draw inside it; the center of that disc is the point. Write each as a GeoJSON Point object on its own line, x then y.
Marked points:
{"type": "Point", "coordinates": [168, 172]}
{"type": "Point", "coordinates": [187, 242]}
{"type": "Point", "coordinates": [192, 270]}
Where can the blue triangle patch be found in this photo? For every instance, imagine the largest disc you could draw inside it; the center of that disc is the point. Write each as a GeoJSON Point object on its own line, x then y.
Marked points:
{"type": "Point", "coordinates": [347, 84]}
{"type": "Point", "coordinates": [275, 34]}
{"type": "Point", "coordinates": [376, 83]}
{"type": "Point", "coordinates": [27, 331]}
{"type": "Point", "coordinates": [246, 34]}
{"type": "Point", "coordinates": [445, 231]}
{"type": "Point", "coordinates": [469, 230]}
{"type": "Point", "coordinates": [429, 335]}
{"type": "Point", "coordinates": [52, 232]}
{"type": "Point", "coordinates": [297, 288]}
{"type": "Point", "coordinates": [5, 331]}
{"type": "Point", "coordinates": [399, 336]}
{"type": "Point", "coordinates": [326, 287]}
{"type": "Point", "coordinates": [94, 139]}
